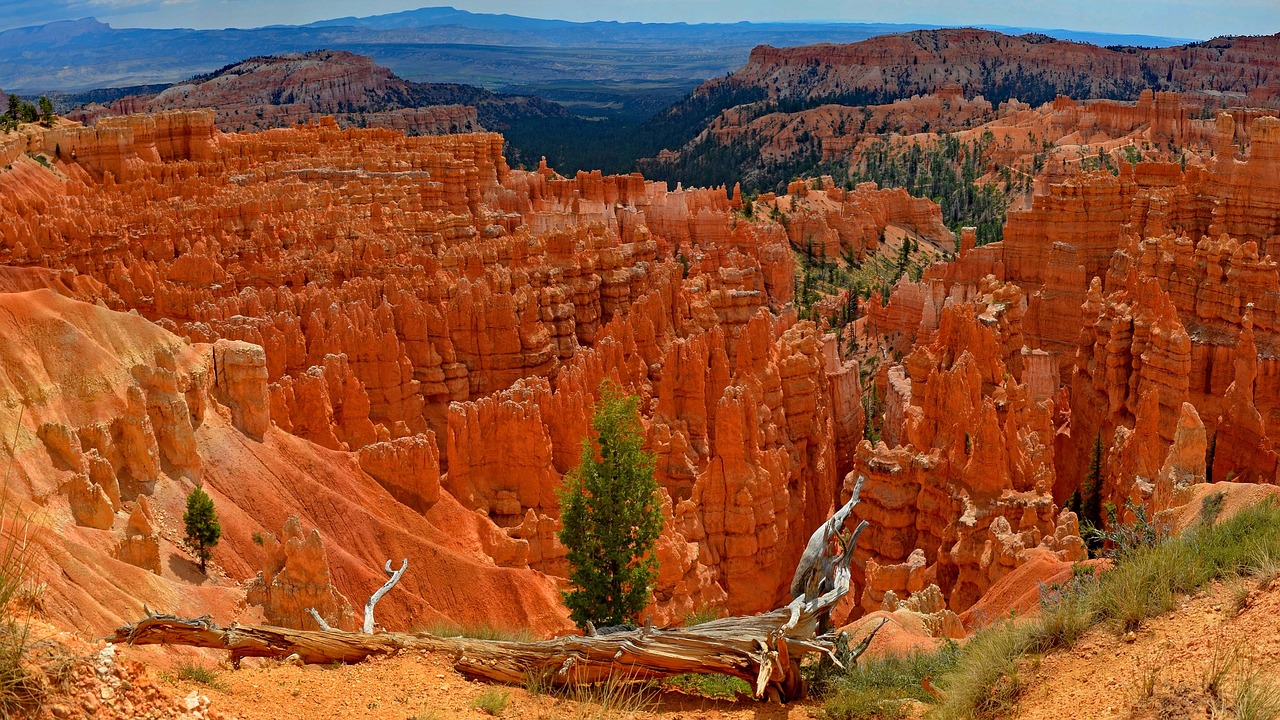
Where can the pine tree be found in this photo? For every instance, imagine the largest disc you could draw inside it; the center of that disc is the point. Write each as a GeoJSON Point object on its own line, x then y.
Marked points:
{"type": "Point", "coordinates": [46, 111]}
{"type": "Point", "coordinates": [201, 522]}
{"type": "Point", "coordinates": [1092, 486]}
{"type": "Point", "coordinates": [611, 516]}
{"type": "Point", "coordinates": [1208, 458]}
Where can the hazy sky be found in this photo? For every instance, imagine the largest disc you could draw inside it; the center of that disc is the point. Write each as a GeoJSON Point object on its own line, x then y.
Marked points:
{"type": "Point", "coordinates": [1177, 18]}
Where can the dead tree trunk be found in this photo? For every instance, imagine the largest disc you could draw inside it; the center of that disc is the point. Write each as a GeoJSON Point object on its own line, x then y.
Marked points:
{"type": "Point", "coordinates": [765, 650]}
{"type": "Point", "coordinates": [377, 595]}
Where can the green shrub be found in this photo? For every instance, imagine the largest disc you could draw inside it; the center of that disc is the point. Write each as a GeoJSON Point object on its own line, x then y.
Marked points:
{"type": "Point", "coordinates": [201, 523]}
{"type": "Point", "coordinates": [492, 702]}
{"type": "Point", "coordinates": [721, 687]}
{"type": "Point", "coordinates": [199, 674]}
{"type": "Point", "coordinates": [1211, 507]}
{"type": "Point", "coordinates": [1123, 538]}
{"type": "Point", "coordinates": [611, 516]}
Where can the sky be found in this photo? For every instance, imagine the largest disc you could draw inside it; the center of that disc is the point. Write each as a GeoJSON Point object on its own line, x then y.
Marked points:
{"type": "Point", "coordinates": [1173, 18]}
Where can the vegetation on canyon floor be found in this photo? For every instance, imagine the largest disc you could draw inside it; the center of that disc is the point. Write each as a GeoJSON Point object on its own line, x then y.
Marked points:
{"type": "Point", "coordinates": [947, 172]}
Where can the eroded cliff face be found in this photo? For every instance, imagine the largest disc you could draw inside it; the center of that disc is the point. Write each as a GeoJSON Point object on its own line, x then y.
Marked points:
{"type": "Point", "coordinates": [1135, 314]}
{"type": "Point", "coordinates": [421, 331]}
{"type": "Point", "coordinates": [982, 62]}
{"type": "Point", "coordinates": [335, 324]}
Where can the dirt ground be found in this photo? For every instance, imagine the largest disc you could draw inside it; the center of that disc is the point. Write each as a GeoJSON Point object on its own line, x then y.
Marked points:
{"type": "Point", "coordinates": [1157, 672]}
{"type": "Point", "coordinates": [422, 686]}
{"type": "Point", "coordinates": [1160, 671]}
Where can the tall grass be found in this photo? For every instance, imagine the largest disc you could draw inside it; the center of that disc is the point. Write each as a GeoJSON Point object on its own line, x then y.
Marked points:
{"type": "Point", "coordinates": [880, 688]}
{"type": "Point", "coordinates": [476, 632]}
{"type": "Point", "coordinates": [20, 691]}
{"type": "Point", "coordinates": [1144, 583]}
{"type": "Point", "coordinates": [618, 697]}
{"type": "Point", "coordinates": [1257, 696]}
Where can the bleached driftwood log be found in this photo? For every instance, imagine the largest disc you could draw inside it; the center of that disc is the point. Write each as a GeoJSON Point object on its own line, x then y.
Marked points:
{"type": "Point", "coordinates": [377, 595]}
{"type": "Point", "coordinates": [764, 650]}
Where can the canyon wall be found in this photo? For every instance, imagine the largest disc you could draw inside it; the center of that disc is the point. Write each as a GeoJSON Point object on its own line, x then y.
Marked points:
{"type": "Point", "coordinates": [1128, 320]}
{"type": "Point", "coordinates": [341, 323]}
{"type": "Point", "coordinates": [421, 331]}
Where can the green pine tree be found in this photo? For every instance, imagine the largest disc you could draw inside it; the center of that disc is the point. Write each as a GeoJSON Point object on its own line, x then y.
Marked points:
{"type": "Point", "coordinates": [611, 516]}
{"type": "Point", "coordinates": [46, 111]}
{"type": "Point", "coordinates": [1091, 488]}
{"type": "Point", "coordinates": [201, 522]}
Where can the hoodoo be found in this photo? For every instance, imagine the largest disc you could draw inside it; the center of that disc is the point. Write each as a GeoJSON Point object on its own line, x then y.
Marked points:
{"type": "Point", "coordinates": [936, 350]}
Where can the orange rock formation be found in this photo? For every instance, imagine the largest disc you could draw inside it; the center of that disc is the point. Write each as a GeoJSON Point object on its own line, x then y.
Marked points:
{"type": "Point", "coordinates": [398, 340]}
{"type": "Point", "coordinates": [341, 324]}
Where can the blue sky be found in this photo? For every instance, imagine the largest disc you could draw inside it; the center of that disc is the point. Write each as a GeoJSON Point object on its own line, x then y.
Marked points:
{"type": "Point", "coordinates": [1176, 18]}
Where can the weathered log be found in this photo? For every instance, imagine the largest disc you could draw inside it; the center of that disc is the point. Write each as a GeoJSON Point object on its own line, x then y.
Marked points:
{"type": "Point", "coordinates": [764, 650]}
{"type": "Point", "coordinates": [242, 641]}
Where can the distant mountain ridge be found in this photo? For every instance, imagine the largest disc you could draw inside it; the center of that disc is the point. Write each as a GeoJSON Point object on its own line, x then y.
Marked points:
{"type": "Point", "coordinates": [278, 90]}
{"type": "Point", "coordinates": [440, 44]}
{"type": "Point", "coordinates": [710, 132]}
{"type": "Point", "coordinates": [1032, 68]}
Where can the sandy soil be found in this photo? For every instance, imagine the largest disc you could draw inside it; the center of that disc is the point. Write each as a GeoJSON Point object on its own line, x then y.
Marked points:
{"type": "Point", "coordinates": [1104, 676]}
{"type": "Point", "coordinates": [424, 685]}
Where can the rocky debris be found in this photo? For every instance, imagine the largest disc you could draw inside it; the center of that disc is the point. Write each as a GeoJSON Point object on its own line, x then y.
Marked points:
{"type": "Point", "coordinates": [99, 685]}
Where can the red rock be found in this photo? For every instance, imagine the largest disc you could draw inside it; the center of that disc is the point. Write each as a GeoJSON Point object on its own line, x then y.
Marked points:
{"type": "Point", "coordinates": [935, 59]}
{"type": "Point", "coordinates": [141, 543]}
{"type": "Point", "coordinates": [240, 377]}
{"type": "Point", "coordinates": [408, 467]}
{"type": "Point", "coordinates": [296, 578]}
{"type": "Point", "coordinates": [1242, 450]}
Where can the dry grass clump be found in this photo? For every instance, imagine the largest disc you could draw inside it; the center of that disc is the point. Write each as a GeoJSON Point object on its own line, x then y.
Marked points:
{"type": "Point", "coordinates": [492, 702]}
{"type": "Point", "coordinates": [1145, 582]}
{"type": "Point", "coordinates": [195, 673]}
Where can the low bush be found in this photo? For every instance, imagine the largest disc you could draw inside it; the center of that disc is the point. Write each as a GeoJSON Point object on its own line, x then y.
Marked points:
{"type": "Point", "coordinates": [721, 687]}
{"type": "Point", "coordinates": [492, 702]}
{"type": "Point", "coordinates": [198, 674]}
{"type": "Point", "coordinates": [881, 687]}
